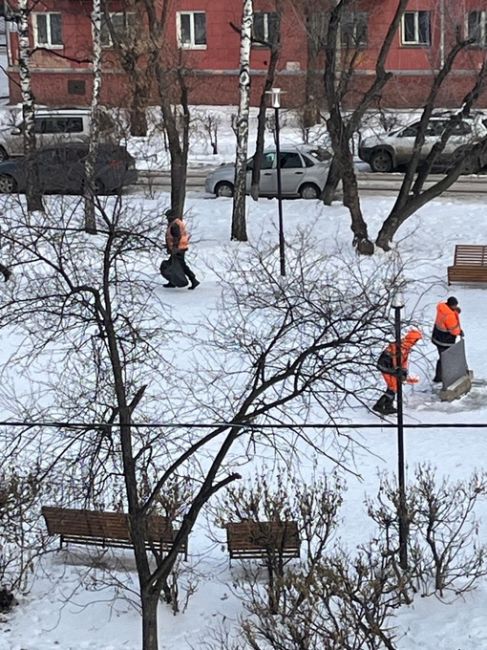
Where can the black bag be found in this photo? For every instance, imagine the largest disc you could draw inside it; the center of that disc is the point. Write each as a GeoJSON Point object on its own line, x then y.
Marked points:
{"type": "Point", "coordinates": [385, 362]}
{"type": "Point", "coordinates": [172, 270]}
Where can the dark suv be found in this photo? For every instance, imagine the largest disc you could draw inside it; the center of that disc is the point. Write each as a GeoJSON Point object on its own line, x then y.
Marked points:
{"type": "Point", "coordinates": [61, 170]}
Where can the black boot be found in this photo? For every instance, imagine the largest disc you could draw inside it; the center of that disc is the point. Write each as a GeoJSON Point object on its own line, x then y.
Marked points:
{"type": "Point", "coordinates": [380, 405]}
{"type": "Point", "coordinates": [389, 408]}
{"type": "Point", "coordinates": [437, 378]}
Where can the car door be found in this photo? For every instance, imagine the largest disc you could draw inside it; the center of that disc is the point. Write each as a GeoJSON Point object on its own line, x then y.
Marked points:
{"type": "Point", "coordinates": [292, 172]}
{"type": "Point", "coordinates": [462, 135]}
{"type": "Point", "coordinates": [404, 143]}
{"type": "Point", "coordinates": [53, 173]}
{"type": "Point", "coordinates": [268, 178]}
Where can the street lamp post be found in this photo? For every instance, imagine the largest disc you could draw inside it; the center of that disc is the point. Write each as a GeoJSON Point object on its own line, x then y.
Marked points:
{"type": "Point", "coordinates": [397, 305]}
{"type": "Point", "coordinates": [276, 105]}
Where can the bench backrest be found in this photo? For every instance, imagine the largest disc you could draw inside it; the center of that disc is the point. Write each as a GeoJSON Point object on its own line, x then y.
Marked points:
{"type": "Point", "coordinates": [106, 525]}
{"type": "Point", "coordinates": [470, 255]}
{"type": "Point", "coordinates": [264, 536]}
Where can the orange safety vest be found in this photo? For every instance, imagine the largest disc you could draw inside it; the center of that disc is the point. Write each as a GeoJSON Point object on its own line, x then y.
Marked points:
{"type": "Point", "coordinates": [183, 243]}
{"type": "Point", "coordinates": [447, 319]}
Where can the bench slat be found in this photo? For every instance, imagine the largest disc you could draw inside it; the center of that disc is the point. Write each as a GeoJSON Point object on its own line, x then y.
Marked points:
{"type": "Point", "coordinates": [252, 539]}
{"type": "Point", "coordinates": [470, 264]}
{"type": "Point", "coordinates": [76, 526]}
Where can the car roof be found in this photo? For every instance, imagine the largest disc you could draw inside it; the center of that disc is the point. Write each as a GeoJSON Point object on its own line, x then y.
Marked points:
{"type": "Point", "coordinates": [41, 112]}
{"type": "Point", "coordinates": [301, 148]}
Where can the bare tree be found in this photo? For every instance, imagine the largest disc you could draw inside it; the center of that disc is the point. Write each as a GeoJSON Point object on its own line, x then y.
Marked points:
{"type": "Point", "coordinates": [239, 229]}
{"type": "Point", "coordinates": [338, 75]}
{"type": "Point", "coordinates": [89, 186]}
{"type": "Point", "coordinates": [87, 305]}
{"type": "Point", "coordinates": [447, 558]}
{"type": "Point", "coordinates": [137, 55]}
{"type": "Point", "coordinates": [33, 192]}
{"type": "Point", "coordinates": [413, 194]}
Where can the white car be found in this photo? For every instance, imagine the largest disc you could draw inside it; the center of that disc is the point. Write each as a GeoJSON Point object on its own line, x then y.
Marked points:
{"type": "Point", "coordinates": [304, 170]}
{"type": "Point", "coordinates": [55, 127]}
{"type": "Point", "coordinates": [388, 151]}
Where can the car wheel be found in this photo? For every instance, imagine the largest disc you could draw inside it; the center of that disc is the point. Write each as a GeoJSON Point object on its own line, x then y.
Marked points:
{"type": "Point", "coordinates": [7, 184]}
{"type": "Point", "coordinates": [224, 189]}
{"type": "Point", "coordinates": [381, 161]}
{"type": "Point", "coordinates": [309, 191]}
{"type": "Point", "coordinates": [3, 154]}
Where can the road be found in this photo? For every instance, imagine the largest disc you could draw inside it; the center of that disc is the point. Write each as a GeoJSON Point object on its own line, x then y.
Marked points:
{"type": "Point", "coordinates": [383, 184]}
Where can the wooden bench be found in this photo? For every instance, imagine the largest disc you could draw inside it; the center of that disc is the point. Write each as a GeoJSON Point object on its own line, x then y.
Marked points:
{"type": "Point", "coordinates": [91, 528]}
{"type": "Point", "coordinates": [254, 539]}
{"type": "Point", "coordinates": [469, 264]}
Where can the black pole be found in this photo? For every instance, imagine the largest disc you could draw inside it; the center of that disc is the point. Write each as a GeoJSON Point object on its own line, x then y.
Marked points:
{"type": "Point", "coordinates": [282, 258]}
{"type": "Point", "coordinates": [402, 515]}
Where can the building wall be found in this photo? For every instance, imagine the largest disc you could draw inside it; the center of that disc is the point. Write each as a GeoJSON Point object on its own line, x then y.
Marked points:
{"type": "Point", "coordinates": [214, 78]}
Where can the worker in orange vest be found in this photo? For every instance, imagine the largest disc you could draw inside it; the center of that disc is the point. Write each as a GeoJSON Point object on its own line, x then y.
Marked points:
{"type": "Point", "coordinates": [177, 243]}
{"type": "Point", "coordinates": [387, 364]}
{"type": "Point", "coordinates": [446, 329]}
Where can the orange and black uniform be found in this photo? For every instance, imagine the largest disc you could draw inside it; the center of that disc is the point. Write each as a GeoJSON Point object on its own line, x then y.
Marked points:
{"type": "Point", "coordinates": [177, 243]}
{"type": "Point", "coordinates": [446, 329]}
{"type": "Point", "coordinates": [387, 364]}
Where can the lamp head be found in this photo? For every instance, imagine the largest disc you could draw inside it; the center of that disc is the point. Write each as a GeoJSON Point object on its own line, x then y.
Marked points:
{"type": "Point", "coordinates": [276, 97]}
{"type": "Point", "coordinates": [398, 300]}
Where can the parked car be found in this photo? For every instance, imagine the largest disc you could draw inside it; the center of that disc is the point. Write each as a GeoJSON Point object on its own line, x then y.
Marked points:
{"type": "Point", "coordinates": [388, 151]}
{"type": "Point", "coordinates": [56, 127]}
{"type": "Point", "coordinates": [304, 170]}
{"type": "Point", "coordinates": [62, 169]}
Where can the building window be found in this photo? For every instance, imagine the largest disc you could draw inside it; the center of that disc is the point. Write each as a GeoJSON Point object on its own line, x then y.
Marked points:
{"type": "Point", "coordinates": [477, 28]}
{"type": "Point", "coordinates": [416, 28]}
{"type": "Point", "coordinates": [191, 26]}
{"type": "Point", "coordinates": [264, 28]}
{"type": "Point", "coordinates": [354, 30]}
{"type": "Point", "coordinates": [123, 27]}
{"type": "Point", "coordinates": [47, 30]}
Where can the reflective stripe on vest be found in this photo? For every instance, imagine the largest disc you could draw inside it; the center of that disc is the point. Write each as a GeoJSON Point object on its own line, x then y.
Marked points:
{"type": "Point", "coordinates": [183, 243]}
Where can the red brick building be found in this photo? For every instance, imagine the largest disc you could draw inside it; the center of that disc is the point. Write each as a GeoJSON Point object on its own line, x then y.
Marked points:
{"type": "Point", "coordinates": [201, 36]}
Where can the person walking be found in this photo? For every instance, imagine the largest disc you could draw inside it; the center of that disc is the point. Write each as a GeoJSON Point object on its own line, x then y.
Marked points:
{"type": "Point", "coordinates": [177, 243]}
{"type": "Point", "coordinates": [446, 329]}
{"type": "Point", "coordinates": [387, 364]}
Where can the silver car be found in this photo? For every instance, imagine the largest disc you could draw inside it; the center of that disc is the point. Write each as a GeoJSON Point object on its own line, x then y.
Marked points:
{"type": "Point", "coordinates": [304, 170]}
{"type": "Point", "coordinates": [54, 127]}
{"type": "Point", "coordinates": [388, 151]}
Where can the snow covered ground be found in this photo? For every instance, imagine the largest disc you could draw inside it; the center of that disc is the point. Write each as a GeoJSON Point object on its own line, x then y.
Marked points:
{"type": "Point", "coordinates": [67, 607]}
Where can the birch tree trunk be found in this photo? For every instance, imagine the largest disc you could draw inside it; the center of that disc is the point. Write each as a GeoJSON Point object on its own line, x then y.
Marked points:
{"type": "Point", "coordinates": [33, 193]}
{"type": "Point", "coordinates": [90, 164]}
{"type": "Point", "coordinates": [239, 229]}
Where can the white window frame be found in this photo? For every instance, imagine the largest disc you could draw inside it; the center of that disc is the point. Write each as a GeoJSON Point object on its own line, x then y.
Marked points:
{"type": "Point", "coordinates": [483, 27]}
{"type": "Point", "coordinates": [191, 45]}
{"type": "Point", "coordinates": [416, 41]}
{"type": "Point", "coordinates": [127, 14]}
{"type": "Point", "coordinates": [48, 45]}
